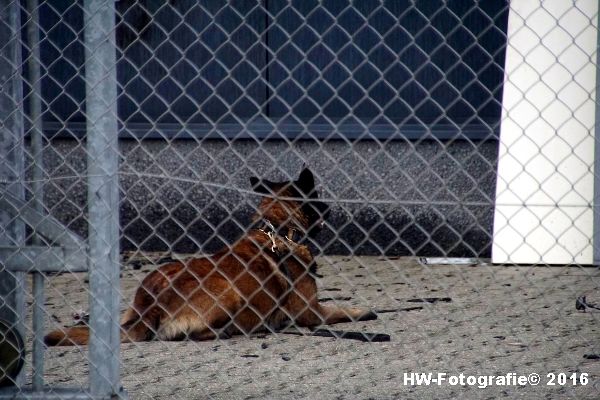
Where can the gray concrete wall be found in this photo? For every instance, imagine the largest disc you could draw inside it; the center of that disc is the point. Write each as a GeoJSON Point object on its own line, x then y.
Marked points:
{"type": "Point", "coordinates": [426, 198]}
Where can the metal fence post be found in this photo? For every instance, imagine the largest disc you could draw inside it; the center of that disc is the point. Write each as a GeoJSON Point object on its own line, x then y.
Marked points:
{"type": "Point", "coordinates": [103, 195]}
{"type": "Point", "coordinates": [596, 133]}
{"type": "Point", "coordinates": [12, 232]}
{"type": "Point", "coordinates": [35, 134]}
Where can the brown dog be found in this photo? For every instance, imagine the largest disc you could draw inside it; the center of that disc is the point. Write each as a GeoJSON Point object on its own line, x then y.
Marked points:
{"type": "Point", "coordinates": [265, 281]}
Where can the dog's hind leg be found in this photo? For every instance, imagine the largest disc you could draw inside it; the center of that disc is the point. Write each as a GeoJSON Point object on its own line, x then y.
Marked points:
{"type": "Point", "coordinates": [140, 321]}
{"type": "Point", "coordinates": [138, 328]}
{"type": "Point", "coordinates": [334, 315]}
{"type": "Point", "coordinates": [203, 317]}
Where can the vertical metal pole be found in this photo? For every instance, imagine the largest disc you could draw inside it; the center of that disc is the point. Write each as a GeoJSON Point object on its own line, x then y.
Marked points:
{"type": "Point", "coordinates": [35, 135]}
{"type": "Point", "coordinates": [596, 202]}
{"type": "Point", "coordinates": [12, 232]}
{"type": "Point", "coordinates": [103, 195]}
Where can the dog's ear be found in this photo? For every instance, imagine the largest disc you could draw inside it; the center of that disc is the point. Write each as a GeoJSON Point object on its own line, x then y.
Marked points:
{"type": "Point", "coordinates": [263, 186]}
{"type": "Point", "coordinates": [258, 186]}
{"type": "Point", "coordinates": [306, 181]}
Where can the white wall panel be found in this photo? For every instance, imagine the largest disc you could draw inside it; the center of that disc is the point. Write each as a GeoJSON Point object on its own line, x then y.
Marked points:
{"type": "Point", "coordinates": [545, 182]}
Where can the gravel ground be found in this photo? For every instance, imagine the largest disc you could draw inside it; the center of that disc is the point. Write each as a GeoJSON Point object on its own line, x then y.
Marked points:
{"type": "Point", "coordinates": [487, 320]}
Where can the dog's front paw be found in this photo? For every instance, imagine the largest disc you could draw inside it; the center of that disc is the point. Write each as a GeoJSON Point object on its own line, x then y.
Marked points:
{"type": "Point", "coordinates": [367, 315]}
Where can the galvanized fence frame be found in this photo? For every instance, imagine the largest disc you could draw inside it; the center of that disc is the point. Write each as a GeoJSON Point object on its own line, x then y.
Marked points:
{"type": "Point", "coordinates": [67, 252]}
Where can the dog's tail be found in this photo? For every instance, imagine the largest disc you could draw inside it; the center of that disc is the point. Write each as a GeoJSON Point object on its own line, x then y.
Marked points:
{"type": "Point", "coordinates": [133, 329]}
{"type": "Point", "coordinates": [76, 335]}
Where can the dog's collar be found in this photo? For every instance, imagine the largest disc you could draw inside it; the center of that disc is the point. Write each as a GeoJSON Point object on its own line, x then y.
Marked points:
{"type": "Point", "coordinates": [268, 229]}
{"type": "Point", "coordinates": [292, 234]}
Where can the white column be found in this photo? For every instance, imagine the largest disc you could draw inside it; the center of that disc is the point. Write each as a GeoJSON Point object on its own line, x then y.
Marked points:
{"type": "Point", "coordinates": [544, 192]}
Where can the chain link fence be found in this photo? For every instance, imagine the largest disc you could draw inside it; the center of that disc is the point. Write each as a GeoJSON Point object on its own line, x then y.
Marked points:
{"type": "Point", "coordinates": [229, 179]}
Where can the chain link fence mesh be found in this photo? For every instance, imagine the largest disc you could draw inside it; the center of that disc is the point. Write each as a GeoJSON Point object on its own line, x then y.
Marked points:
{"type": "Point", "coordinates": [417, 121]}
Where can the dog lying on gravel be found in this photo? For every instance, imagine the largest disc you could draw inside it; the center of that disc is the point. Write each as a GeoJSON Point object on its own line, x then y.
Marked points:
{"type": "Point", "coordinates": [264, 281]}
